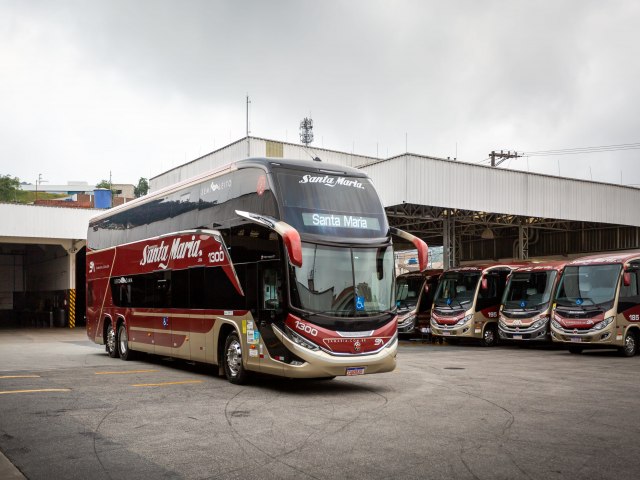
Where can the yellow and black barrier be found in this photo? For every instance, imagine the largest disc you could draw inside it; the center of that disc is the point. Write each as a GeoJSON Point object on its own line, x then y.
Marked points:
{"type": "Point", "coordinates": [72, 308]}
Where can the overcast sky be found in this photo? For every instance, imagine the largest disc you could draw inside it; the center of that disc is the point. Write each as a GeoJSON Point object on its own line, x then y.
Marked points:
{"type": "Point", "coordinates": [137, 87]}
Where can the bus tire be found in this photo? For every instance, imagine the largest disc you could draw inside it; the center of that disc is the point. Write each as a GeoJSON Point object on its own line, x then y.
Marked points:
{"type": "Point", "coordinates": [232, 360]}
{"type": "Point", "coordinates": [123, 344]}
{"type": "Point", "coordinates": [575, 349]}
{"type": "Point", "coordinates": [489, 336]}
{"type": "Point", "coordinates": [111, 341]}
{"type": "Point", "coordinates": [630, 347]}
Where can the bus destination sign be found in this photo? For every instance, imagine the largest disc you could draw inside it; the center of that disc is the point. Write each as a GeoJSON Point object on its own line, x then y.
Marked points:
{"type": "Point", "coordinates": [340, 221]}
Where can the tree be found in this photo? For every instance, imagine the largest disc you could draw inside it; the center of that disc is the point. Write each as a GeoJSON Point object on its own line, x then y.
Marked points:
{"type": "Point", "coordinates": [9, 186]}
{"type": "Point", "coordinates": [104, 184]}
{"type": "Point", "coordinates": [142, 188]}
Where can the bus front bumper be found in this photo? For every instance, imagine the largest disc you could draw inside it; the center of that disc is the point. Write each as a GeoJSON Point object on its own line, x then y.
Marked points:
{"type": "Point", "coordinates": [318, 363]}
{"type": "Point", "coordinates": [539, 334]}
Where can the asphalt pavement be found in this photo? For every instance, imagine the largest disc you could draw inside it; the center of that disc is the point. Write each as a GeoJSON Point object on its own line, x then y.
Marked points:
{"type": "Point", "coordinates": [67, 410]}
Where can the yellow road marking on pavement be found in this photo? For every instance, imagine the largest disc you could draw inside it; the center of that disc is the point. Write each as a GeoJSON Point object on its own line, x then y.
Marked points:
{"type": "Point", "coordinates": [165, 383]}
{"type": "Point", "coordinates": [124, 372]}
{"type": "Point", "coordinates": [20, 376]}
{"type": "Point", "coordinates": [36, 391]}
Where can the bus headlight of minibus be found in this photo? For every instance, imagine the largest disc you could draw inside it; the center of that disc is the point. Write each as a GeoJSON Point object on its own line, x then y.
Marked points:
{"type": "Point", "coordinates": [408, 317]}
{"type": "Point", "coordinates": [556, 324]}
{"type": "Point", "coordinates": [464, 320]}
{"type": "Point", "coordinates": [540, 321]}
{"type": "Point", "coordinates": [300, 340]}
{"type": "Point", "coordinates": [603, 324]}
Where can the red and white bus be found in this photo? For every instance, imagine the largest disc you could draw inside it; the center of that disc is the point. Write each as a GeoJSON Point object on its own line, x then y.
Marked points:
{"type": "Point", "coordinates": [528, 301]}
{"type": "Point", "coordinates": [598, 303]}
{"type": "Point", "coordinates": [467, 301]}
{"type": "Point", "coordinates": [282, 267]}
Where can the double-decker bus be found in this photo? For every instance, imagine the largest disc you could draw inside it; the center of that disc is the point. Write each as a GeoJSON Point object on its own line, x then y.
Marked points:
{"type": "Point", "coordinates": [598, 303]}
{"type": "Point", "coordinates": [281, 267]}
{"type": "Point", "coordinates": [467, 301]}
{"type": "Point", "coordinates": [528, 301]}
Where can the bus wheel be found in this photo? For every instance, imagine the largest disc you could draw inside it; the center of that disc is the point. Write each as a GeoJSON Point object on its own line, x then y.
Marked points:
{"type": "Point", "coordinates": [232, 360]}
{"type": "Point", "coordinates": [489, 336]}
{"type": "Point", "coordinates": [123, 343]}
{"type": "Point", "coordinates": [575, 349]}
{"type": "Point", "coordinates": [111, 342]}
{"type": "Point", "coordinates": [630, 345]}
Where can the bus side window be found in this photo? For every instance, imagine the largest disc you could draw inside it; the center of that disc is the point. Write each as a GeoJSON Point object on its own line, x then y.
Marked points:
{"type": "Point", "coordinates": [90, 295]}
{"type": "Point", "coordinates": [271, 289]}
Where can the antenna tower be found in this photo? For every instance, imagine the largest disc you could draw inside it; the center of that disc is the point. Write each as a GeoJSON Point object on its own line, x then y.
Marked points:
{"type": "Point", "coordinates": [306, 131]}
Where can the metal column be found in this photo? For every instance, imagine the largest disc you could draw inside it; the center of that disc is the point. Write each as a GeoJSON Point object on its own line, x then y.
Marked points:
{"type": "Point", "coordinates": [523, 242]}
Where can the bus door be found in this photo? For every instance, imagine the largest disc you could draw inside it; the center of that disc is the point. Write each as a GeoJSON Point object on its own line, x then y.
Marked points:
{"type": "Point", "coordinates": [628, 301]}
{"type": "Point", "coordinates": [159, 289]}
{"type": "Point", "coordinates": [489, 298]}
{"type": "Point", "coordinates": [270, 307]}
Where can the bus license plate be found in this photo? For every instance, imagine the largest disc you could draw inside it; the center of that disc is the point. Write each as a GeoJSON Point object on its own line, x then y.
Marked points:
{"type": "Point", "coordinates": [355, 371]}
{"type": "Point", "coordinates": [517, 337]}
{"type": "Point", "coordinates": [576, 339]}
{"type": "Point", "coordinates": [446, 334]}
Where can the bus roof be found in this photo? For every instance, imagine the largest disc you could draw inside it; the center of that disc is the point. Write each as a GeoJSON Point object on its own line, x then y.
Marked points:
{"type": "Point", "coordinates": [541, 266]}
{"type": "Point", "coordinates": [264, 163]}
{"type": "Point", "coordinates": [483, 268]}
{"type": "Point", "coordinates": [424, 274]}
{"type": "Point", "coordinates": [602, 259]}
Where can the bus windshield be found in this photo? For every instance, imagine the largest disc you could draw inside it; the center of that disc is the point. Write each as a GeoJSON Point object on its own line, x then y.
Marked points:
{"type": "Point", "coordinates": [408, 290]}
{"type": "Point", "coordinates": [456, 289]}
{"type": "Point", "coordinates": [340, 281]}
{"type": "Point", "coordinates": [331, 205]}
{"type": "Point", "coordinates": [588, 285]}
{"type": "Point", "coordinates": [527, 290]}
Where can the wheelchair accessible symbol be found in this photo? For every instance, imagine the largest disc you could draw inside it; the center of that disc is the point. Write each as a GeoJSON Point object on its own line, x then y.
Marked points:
{"type": "Point", "coordinates": [359, 303]}
{"type": "Point", "coordinates": [165, 321]}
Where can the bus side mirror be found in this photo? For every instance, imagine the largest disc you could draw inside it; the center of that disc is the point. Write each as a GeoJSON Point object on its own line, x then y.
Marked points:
{"type": "Point", "coordinates": [626, 279]}
{"type": "Point", "coordinates": [426, 288]}
{"type": "Point", "coordinates": [485, 284]}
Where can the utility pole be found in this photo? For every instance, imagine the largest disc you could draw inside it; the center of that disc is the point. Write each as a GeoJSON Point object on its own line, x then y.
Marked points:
{"type": "Point", "coordinates": [248, 131]}
{"type": "Point", "coordinates": [502, 156]}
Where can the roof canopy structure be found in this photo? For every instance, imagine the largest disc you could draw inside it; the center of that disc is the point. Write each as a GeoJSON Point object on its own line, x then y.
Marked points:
{"type": "Point", "coordinates": [476, 212]}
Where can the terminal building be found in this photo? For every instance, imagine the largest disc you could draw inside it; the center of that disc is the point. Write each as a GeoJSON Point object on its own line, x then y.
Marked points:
{"type": "Point", "coordinates": [476, 213]}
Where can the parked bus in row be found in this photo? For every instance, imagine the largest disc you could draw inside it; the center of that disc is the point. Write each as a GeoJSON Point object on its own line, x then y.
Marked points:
{"type": "Point", "coordinates": [598, 303]}
{"type": "Point", "coordinates": [281, 267]}
{"type": "Point", "coordinates": [528, 301]}
{"type": "Point", "coordinates": [467, 302]}
{"type": "Point", "coordinates": [414, 297]}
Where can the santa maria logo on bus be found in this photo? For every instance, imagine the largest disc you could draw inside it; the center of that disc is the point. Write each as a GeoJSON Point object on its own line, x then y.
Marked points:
{"type": "Point", "coordinates": [180, 249]}
{"type": "Point", "coordinates": [329, 181]}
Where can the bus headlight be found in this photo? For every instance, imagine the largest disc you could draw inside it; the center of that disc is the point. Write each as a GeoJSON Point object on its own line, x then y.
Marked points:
{"type": "Point", "coordinates": [464, 320]}
{"type": "Point", "coordinates": [603, 324]}
{"type": "Point", "coordinates": [540, 322]}
{"type": "Point", "coordinates": [303, 342]}
{"type": "Point", "coordinates": [556, 324]}
{"type": "Point", "coordinates": [502, 322]}
{"type": "Point", "coordinates": [409, 317]}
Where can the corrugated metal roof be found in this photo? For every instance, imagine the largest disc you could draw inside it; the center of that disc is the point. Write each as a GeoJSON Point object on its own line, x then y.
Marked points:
{"type": "Point", "coordinates": [35, 221]}
{"type": "Point", "coordinates": [457, 185]}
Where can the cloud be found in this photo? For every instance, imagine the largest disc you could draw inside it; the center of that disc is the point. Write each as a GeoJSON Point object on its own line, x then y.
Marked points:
{"type": "Point", "coordinates": [139, 87]}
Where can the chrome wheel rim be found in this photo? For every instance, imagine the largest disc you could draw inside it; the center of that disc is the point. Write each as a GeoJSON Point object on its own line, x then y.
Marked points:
{"type": "Point", "coordinates": [234, 357]}
{"type": "Point", "coordinates": [489, 336]}
{"type": "Point", "coordinates": [111, 339]}
{"type": "Point", "coordinates": [629, 344]}
{"type": "Point", "coordinates": [124, 345]}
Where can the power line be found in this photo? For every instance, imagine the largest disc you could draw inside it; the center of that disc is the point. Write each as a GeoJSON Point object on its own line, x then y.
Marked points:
{"type": "Point", "coordinates": [583, 150]}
